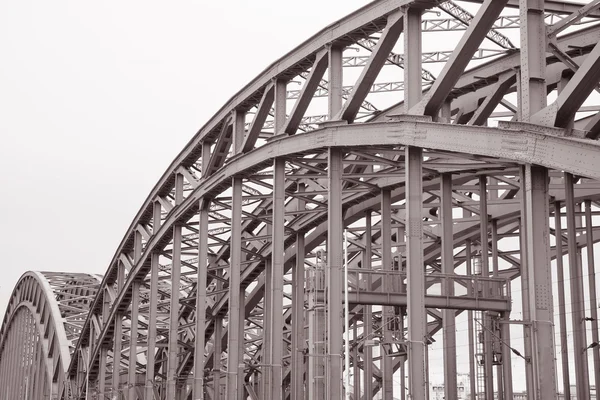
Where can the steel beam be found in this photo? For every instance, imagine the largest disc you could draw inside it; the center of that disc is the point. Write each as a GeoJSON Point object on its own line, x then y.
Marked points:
{"type": "Point", "coordinates": [387, 320]}
{"type": "Point", "coordinates": [464, 50]}
{"type": "Point", "coordinates": [334, 271]}
{"type": "Point", "coordinates": [367, 313]}
{"type": "Point", "coordinates": [592, 289]}
{"type": "Point", "coordinates": [413, 47]}
{"type": "Point", "coordinates": [533, 58]}
{"type": "Point", "coordinates": [418, 380]}
{"type": "Point", "coordinates": [540, 279]}
{"type": "Point", "coordinates": [298, 285]}
{"type": "Point", "coordinates": [577, 297]}
{"type": "Point", "coordinates": [562, 315]}
{"type": "Point", "coordinates": [235, 327]}
{"type": "Point", "coordinates": [307, 92]}
{"type": "Point", "coordinates": [335, 77]}
{"type": "Point", "coordinates": [449, 316]}
{"type": "Point", "coordinates": [275, 318]}
{"type": "Point", "coordinates": [385, 44]}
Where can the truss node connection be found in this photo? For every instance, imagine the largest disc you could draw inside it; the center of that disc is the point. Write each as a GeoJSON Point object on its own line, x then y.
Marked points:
{"type": "Point", "coordinates": [455, 207]}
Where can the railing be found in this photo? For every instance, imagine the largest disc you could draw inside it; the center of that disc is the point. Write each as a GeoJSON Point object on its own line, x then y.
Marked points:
{"type": "Point", "coordinates": [387, 282]}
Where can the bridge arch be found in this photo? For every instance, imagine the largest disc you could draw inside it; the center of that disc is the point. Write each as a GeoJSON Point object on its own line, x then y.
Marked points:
{"type": "Point", "coordinates": [40, 331]}
{"type": "Point", "coordinates": [245, 226]}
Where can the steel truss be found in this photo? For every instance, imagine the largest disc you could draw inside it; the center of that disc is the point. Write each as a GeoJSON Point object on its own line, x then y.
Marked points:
{"type": "Point", "coordinates": [229, 282]}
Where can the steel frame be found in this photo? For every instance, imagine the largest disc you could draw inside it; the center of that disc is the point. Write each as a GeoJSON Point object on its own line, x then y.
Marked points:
{"type": "Point", "coordinates": [228, 284]}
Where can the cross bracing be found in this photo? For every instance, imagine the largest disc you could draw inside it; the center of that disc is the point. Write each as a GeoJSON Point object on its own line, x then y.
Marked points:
{"type": "Point", "coordinates": [479, 176]}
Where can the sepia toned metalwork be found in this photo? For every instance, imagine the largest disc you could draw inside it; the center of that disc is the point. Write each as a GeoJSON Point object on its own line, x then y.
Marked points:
{"type": "Point", "coordinates": [421, 177]}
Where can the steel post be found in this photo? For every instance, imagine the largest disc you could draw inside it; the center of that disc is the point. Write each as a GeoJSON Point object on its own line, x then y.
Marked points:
{"type": "Point", "coordinates": [367, 313]}
{"type": "Point", "coordinates": [448, 316]}
{"type": "Point", "coordinates": [297, 365]}
{"type": "Point", "coordinates": [592, 290]}
{"type": "Point", "coordinates": [235, 327]}
{"type": "Point", "coordinates": [334, 275]}
{"type": "Point", "coordinates": [173, 350]}
{"type": "Point", "coordinates": [418, 386]}
{"type": "Point", "coordinates": [540, 279]}
{"type": "Point", "coordinates": [276, 316]}
{"type": "Point", "coordinates": [562, 316]}
{"type": "Point", "coordinates": [388, 312]}
{"type": "Point", "coordinates": [577, 298]}
{"type": "Point", "coordinates": [202, 276]}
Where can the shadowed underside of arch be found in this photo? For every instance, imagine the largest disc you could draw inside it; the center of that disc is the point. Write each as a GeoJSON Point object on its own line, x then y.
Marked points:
{"type": "Point", "coordinates": [449, 175]}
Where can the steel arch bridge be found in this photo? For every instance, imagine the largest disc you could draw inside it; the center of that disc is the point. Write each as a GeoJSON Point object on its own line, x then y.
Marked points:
{"type": "Point", "coordinates": [390, 179]}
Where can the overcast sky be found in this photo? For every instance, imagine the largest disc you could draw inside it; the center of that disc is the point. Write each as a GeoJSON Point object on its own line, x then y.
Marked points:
{"type": "Point", "coordinates": [97, 98]}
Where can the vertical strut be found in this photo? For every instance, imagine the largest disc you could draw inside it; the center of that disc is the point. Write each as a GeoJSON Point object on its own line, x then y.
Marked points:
{"type": "Point", "coordinates": [388, 312]}
{"type": "Point", "coordinates": [416, 274]}
{"type": "Point", "coordinates": [448, 316]}
{"type": "Point", "coordinates": [540, 278]}
{"type": "Point", "coordinates": [560, 276]}
{"type": "Point", "coordinates": [577, 299]}
{"type": "Point", "coordinates": [235, 327]}
{"type": "Point", "coordinates": [172, 361]}
{"type": "Point", "coordinates": [367, 314]}
{"type": "Point", "coordinates": [199, 344]}
{"type": "Point", "coordinates": [592, 289]}
{"type": "Point", "coordinates": [298, 313]}
{"type": "Point", "coordinates": [334, 275]}
{"type": "Point", "coordinates": [276, 316]}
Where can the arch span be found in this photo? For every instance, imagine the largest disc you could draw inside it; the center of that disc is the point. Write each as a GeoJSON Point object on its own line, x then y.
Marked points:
{"type": "Point", "coordinates": [40, 330]}
{"type": "Point", "coordinates": [220, 286]}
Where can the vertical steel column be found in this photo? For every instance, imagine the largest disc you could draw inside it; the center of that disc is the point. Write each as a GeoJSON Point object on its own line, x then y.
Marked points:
{"type": "Point", "coordinates": [202, 274]}
{"type": "Point", "coordinates": [485, 271]}
{"type": "Point", "coordinates": [388, 312]}
{"type": "Point", "coordinates": [368, 316]}
{"type": "Point", "coordinates": [412, 57]}
{"type": "Point", "coordinates": [151, 352]}
{"type": "Point", "coordinates": [334, 275]}
{"type": "Point", "coordinates": [297, 392]}
{"type": "Point", "coordinates": [217, 352]}
{"type": "Point", "coordinates": [533, 58]}
{"type": "Point", "coordinates": [540, 279]}
{"type": "Point", "coordinates": [401, 241]}
{"type": "Point", "coordinates": [335, 76]}
{"type": "Point", "coordinates": [104, 349]}
{"type": "Point", "coordinates": [276, 317]}
{"type": "Point", "coordinates": [506, 358]}
{"type": "Point", "coordinates": [133, 339]}
{"type": "Point", "coordinates": [484, 227]}
{"type": "Point", "coordinates": [265, 382]}
{"type": "Point", "coordinates": [562, 316]}
{"type": "Point", "coordinates": [278, 248]}
{"type": "Point", "coordinates": [133, 333]}
{"type": "Point", "coordinates": [235, 326]}
{"type": "Point", "coordinates": [448, 316]}
{"type": "Point", "coordinates": [577, 298]}
{"type": "Point", "coordinates": [118, 336]}
{"type": "Point", "coordinates": [525, 285]}
{"type": "Point", "coordinates": [592, 289]}
{"type": "Point", "coordinates": [418, 386]}
{"type": "Point", "coordinates": [173, 359]}
{"type": "Point", "coordinates": [199, 358]}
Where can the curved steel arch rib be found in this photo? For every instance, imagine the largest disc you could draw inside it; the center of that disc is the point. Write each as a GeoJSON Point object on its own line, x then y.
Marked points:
{"type": "Point", "coordinates": [252, 171]}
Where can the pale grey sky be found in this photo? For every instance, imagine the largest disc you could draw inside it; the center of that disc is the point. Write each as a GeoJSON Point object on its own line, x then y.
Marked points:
{"type": "Point", "coordinates": [97, 98]}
